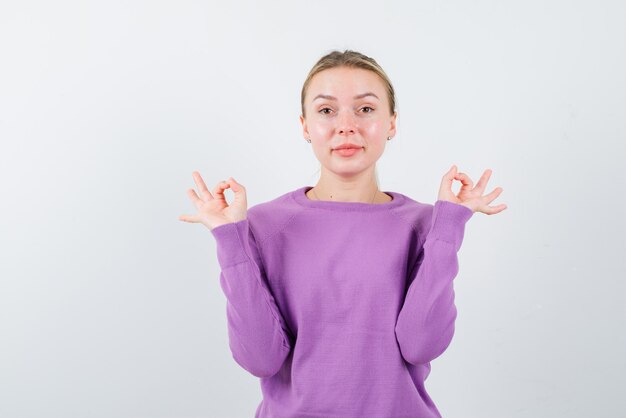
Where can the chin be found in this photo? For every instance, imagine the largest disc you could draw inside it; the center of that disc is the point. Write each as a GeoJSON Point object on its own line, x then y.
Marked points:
{"type": "Point", "coordinates": [347, 168]}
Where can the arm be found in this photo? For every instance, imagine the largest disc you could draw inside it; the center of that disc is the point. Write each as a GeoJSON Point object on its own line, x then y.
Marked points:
{"type": "Point", "coordinates": [425, 323]}
{"type": "Point", "coordinates": [256, 329]}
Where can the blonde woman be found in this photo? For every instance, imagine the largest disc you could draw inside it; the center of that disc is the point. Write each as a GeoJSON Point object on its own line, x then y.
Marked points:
{"type": "Point", "coordinates": [339, 295]}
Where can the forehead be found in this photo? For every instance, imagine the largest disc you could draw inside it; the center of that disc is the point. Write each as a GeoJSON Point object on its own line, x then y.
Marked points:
{"type": "Point", "coordinates": [346, 82]}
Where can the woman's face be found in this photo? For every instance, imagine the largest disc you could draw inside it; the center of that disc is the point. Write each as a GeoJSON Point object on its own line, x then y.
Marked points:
{"type": "Point", "coordinates": [347, 106]}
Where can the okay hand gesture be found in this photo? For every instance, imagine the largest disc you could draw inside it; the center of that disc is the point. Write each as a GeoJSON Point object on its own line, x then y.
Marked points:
{"type": "Point", "coordinates": [213, 210]}
{"type": "Point", "coordinates": [469, 196]}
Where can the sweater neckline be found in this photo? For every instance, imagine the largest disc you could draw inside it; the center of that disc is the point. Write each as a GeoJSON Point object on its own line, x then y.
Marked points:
{"type": "Point", "coordinates": [300, 197]}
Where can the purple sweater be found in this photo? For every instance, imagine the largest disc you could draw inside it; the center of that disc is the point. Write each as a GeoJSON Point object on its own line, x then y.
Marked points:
{"type": "Point", "coordinates": [339, 307]}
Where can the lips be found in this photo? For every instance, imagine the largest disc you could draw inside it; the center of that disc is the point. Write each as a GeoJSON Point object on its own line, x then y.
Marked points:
{"type": "Point", "coordinates": [348, 152]}
{"type": "Point", "coordinates": [347, 146]}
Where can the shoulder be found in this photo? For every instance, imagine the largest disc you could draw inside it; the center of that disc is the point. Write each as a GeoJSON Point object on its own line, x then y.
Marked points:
{"type": "Point", "coordinates": [421, 216]}
{"type": "Point", "coordinates": [417, 214]}
{"type": "Point", "coordinates": [269, 217]}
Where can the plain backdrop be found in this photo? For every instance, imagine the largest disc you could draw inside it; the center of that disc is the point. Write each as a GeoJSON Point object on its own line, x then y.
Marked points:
{"type": "Point", "coordinates": [111, 307]}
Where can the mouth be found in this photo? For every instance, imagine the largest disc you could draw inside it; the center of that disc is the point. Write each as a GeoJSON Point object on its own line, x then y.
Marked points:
{"type": "Point", "coordinates": [347, 146]}
{"type": "Point", "coordinates": [347, 151]}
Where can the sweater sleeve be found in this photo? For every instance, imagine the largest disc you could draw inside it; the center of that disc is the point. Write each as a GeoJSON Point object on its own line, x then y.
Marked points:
{"type": "Point", "coordinates": [425, 324]}
{"type": "Point", "coordinates": [256, 329]}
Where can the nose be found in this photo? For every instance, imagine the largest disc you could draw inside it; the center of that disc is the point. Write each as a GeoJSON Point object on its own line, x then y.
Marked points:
{"type": "Point", "coordinates": [346, 125]}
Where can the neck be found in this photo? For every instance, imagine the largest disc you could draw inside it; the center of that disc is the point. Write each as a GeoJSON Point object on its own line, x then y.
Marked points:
{"type": "Point", "coordinates": [316, 194]}
{"type": "Point", "coordinates": [362, 188]}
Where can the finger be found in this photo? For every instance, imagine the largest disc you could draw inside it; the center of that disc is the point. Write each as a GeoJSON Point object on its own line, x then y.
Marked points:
{"type": "Point", "coordinates": [237, 187]}
{"type": "Point", "coordinates": [492, 210]}
{"type": "Point", "coordinates": [194, 197]}
{"type": "Point", "coordinates": [189, 218]}
{"type": "Point", "coordinates": [492, 196]}
{"type": "Point", "coordinates": [218, 191]}
{"type": "Point", "coordinates": [204, 191]}
{"type": "Point", "coordinates": [484, 179]}
{"type": "Point", "coordinates": [239, 190]}
{"type": "Point", "coordinates": [465, 180]}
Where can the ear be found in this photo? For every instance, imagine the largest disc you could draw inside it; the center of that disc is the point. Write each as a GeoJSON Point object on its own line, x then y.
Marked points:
{"type": "Point", "coordinates": [305, 129]}
{"type": "Point", "coordinates": [392, 126]}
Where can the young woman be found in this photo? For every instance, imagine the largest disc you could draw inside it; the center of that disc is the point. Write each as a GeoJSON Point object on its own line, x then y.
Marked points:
{"type": "Point", "coordinates": [339, 295]}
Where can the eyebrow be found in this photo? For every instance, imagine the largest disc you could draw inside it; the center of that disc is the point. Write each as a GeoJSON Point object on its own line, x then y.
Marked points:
{"type": "Point", "coordinates": [358, 96]}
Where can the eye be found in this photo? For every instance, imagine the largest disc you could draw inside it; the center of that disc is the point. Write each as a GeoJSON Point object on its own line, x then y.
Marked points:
{"type": "Point", "coordinates": [367, 107]}
{"type": "Point", "coordinates": [322, 110]}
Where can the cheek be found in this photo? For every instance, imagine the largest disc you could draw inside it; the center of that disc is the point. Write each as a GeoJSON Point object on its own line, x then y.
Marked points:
{"type": "Point", "coordinates": [374, 128]}
{"type": "Point", "coordinates": [321, 128]}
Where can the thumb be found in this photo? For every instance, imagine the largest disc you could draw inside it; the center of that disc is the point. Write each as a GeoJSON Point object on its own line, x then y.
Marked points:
{"type": "Point", "coordinates": [451, 174]}
{"type": "Point", "coordinates": [238, 189]}
{"type": "Point", "coordinates": [445, 189]}
{"type": "Point", "coordinates": [235, 186]}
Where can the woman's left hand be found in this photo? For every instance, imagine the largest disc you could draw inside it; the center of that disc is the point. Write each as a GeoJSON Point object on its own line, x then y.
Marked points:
{"type": "Point", "coordinates": [470, 196]}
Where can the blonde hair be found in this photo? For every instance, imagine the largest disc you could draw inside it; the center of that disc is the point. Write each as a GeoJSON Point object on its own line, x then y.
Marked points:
{"type": "Point", "coordinates": [350, 59]}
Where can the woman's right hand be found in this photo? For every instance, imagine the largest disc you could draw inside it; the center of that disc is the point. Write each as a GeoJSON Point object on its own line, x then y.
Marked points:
{"type": "Point", "coordinates": [213, 210]}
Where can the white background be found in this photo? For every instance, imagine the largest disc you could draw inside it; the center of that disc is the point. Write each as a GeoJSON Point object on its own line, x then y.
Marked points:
{"type": "Point", "coordinates": [111, 307]}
